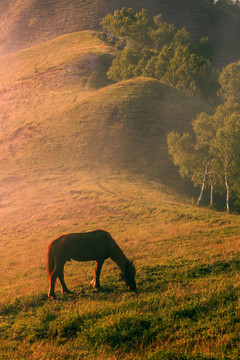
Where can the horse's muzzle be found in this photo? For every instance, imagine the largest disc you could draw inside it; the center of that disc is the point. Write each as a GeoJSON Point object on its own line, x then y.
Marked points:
{"type": "Point", "coordinates": [132, 287]}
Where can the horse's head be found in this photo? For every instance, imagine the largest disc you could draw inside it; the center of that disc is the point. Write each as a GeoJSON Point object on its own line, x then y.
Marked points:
{"type": "Point", "coordinates": [129, 275]}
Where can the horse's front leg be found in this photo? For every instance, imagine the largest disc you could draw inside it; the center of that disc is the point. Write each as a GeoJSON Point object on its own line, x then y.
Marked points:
{"type": "Point", "coordinates": [62, 282]}
{"type": "Point", "coordinates": [95, 281]}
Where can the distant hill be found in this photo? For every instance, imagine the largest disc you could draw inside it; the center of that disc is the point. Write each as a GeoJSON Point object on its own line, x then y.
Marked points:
{"type": "Point", "coordinates": [60, 112]}
{"type": "Point", "coordinates": [27, 22]}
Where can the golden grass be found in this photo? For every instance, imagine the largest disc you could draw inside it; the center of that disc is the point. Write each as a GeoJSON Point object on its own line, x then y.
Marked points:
{"type": "Point", "coordinates": [48, 56]}
{"type": "Point", "coordinates": [176, 248]}
{"type": "Point", "coordinates": [71, 146]}
{"type": "Point", "coordinates": [148, 223]}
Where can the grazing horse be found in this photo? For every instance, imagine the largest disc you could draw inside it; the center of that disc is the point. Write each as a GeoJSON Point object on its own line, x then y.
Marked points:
{"type": "Point", "coordinates": [95, 245]}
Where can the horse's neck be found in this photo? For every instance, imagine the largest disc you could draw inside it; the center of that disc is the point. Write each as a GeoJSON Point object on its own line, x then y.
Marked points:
{"type": "Point", "coordinates": [121, 262]}
{"type": "Point", "coordinates": [118, 256]}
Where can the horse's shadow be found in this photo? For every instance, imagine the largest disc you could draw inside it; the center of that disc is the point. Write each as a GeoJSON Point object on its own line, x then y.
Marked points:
{"type": "Point", "coordinates": [155, 278]}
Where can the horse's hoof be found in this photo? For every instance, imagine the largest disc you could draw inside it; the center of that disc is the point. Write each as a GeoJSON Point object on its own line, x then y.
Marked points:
{"type": "Point", "coordinates": [52, 297]}
{"type": "Point", "coordinates": [97, 288]}
{"type": "Point", "coordinates": [93, 285]}
{"type": "Point", "coordinates": [67, 292]}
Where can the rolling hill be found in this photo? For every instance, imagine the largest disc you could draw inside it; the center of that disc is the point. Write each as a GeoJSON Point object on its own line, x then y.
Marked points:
{"type": "Point", "coordinates": [69, 139]}
{"type": "Point", "coordinates": [56, 99]}
{"type": "Point", "coordinates": [27, 22]}
{"type": "Point", "coordinates": [79, 153]}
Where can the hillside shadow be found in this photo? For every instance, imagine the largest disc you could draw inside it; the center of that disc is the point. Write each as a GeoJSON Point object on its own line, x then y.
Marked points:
{"type": "Point", "coordinates": [168, 175]}
{"type": "Point", "coordinates": [24, 303]}
{"type": "Point", "coordinates": [159, 277]}
{"type": "Point", "coordinates": [150, 279]}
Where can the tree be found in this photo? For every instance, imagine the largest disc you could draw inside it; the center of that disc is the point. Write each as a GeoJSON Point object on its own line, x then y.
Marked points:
{"type": "Point", "coordinates": [182, 150]}
{"type": "Point", "coordinates": [204, 48]}
{"type": "Point", "coordinates": [124, 65]}
{"type": "Point", "coordinates": [212, 157]}
{"type": "Point", "coordinates": [226, 147]}
{"type": "Point", "coordinates": [229, 80]}
{"type": "Point", "coordinates": [158, 65]}
{"type": "Point", "coordinates": [145, 56]}
{"type": "Point", "coordinates": [161, 33]}
{"type": "Point", "coordinates": [193, 156]}
{"type": "Point", "coordinates": [204, 129]}
{"type": "Point", "coordinates": [159, 50]}
{"type": "Point", "coordinates": [127, 26]}
{"type": "Point", "coordinates": [184, 70]}
{"type": "Point", "coordinates": [182, 38]}
{"type": "Point", "coordinates": [178, 66]}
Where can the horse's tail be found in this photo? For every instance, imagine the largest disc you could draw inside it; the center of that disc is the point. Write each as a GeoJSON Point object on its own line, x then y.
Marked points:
{"type": "Point", "coordinates": [50, 261]}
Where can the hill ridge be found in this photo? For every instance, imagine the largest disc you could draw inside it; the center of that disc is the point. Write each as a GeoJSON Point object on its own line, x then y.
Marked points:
{"type": "Point", "coordinates": [34, 21]}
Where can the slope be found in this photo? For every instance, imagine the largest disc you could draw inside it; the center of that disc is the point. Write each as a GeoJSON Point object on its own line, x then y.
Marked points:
{"type": "Point", "coordinates": [57, 112]}
{"type": "Point", "coordinates": [61, 120]}
{"type": "Point", "coordinates": [123, 126]}
{"type": "Point", "coordinates": [71, 144]}
{"type": "Point", "coordinates": [37, 81]}
{"type": "Point", "coordinates": [26, 22]}
{"type": "Point", "coordinates": [187, 301]}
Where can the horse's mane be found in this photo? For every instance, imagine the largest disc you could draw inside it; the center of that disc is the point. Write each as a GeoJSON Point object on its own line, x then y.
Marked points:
{"type": "Point", "coordinates": [117, 255]}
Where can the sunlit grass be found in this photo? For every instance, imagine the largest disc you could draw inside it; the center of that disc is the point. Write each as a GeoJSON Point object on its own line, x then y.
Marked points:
{"type": "Point", "coordinates": [187, 260]}
{"type": "Point", "coordinates": [49, 56]}
{"type": "Point", "coordinates": [71, 149]}
{"type": "Point", "coordinates": [59, 112]}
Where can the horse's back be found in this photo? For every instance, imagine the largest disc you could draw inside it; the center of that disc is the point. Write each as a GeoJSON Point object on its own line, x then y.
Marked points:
{"type": "Point", "coordinates": [82, 246]}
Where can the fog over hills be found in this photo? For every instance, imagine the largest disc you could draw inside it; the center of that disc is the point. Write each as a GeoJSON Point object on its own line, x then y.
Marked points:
{"type": "Point", "coordinates": [27, 22]}
{"type": "Point", "coordinates": [62, 113]}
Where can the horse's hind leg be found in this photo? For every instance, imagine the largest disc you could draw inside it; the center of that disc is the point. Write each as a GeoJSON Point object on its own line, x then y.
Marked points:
{"type": "Point", "coordinates": [57, 273]}
{"type": "Point", "coordinates": [62, 282]}
{"type": "Point", "coordinates": [95, 281]}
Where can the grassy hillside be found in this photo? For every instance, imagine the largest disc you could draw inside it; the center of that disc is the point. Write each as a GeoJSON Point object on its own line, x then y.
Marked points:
{"type": "Point", "coordinates": [119, 126]}
{"type": "Point", "coordinates": [56, 99]}
{"type": "Point", "coordinates": [27, 22]}
{"type": "Point", "coordinates": [187, 260]}
{"type": "Point", "coordinates": [78, 153]}
{"type": "Point", "coordinates": [47, 77]}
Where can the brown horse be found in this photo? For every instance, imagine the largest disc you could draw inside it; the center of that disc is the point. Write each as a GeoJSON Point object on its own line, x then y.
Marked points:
{"type": "Point", "coordinates": [95, 245]}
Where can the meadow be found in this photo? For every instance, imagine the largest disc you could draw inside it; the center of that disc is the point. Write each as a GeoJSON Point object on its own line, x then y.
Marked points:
{"type": "Point", "coordinates": [187, 259]}
{"type": "Point", "coordinates": [78, 154]}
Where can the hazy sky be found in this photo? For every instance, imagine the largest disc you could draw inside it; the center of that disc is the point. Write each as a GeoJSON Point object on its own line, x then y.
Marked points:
{"type": "Point", "coordinates": [234, 1]}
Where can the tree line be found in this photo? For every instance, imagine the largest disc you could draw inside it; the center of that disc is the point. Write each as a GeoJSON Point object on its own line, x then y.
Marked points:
{"type": "Point", "coordinates": [153, 48]}
{"type": "Point", "coordinates": [210, 155]}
